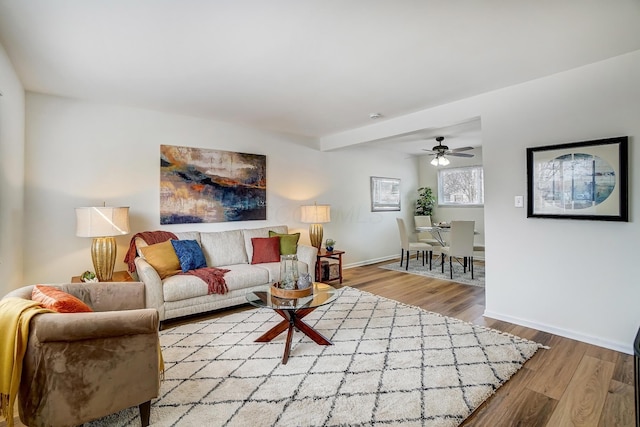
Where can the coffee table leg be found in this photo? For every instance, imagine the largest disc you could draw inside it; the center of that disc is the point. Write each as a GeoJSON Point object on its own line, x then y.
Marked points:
{"type": "Point", "coordinates": [287, 346]}
{"type": "Point", "coordinates": [283, 325]}
{"type": "Point", "coordinates": [293, 320]}
{"type": "Point", "coordinates": [273, 332]}
{"type": "Point", "coordinates": [310, 332]}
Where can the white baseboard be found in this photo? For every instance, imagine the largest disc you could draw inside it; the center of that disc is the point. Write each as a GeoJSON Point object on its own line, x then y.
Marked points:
{"type": "Point", "coordinates": [589, 339]}
{"type": "Point", "coordinates": [370, 261]}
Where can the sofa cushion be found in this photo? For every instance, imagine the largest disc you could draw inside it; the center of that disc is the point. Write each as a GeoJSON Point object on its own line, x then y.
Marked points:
{"type": "Point", "coordinates": [250, 233]}
{"type": "Point", "coordinates": [189, 254]}
{"type": "Point", "coordinates": [57, 300]}
{"type": "Point", "coordinates": [223, 248]}
{"type": "Point", "coordinates": [188, 235]}
{"type": "Point", "coordinates": [288, 242]}
{"type": "Point", "coordinates": [240, 276]}
{"type": "Point", "coordinates": [162, 257]}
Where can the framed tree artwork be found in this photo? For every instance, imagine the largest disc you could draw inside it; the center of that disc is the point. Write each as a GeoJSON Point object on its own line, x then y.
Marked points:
{"type": "Point", "coordinates": [581, 180]}
{"type": "Point", "coordinates": [385, 194]}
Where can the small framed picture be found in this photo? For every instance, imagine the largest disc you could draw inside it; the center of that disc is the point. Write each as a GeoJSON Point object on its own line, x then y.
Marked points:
{"type": "Point", "coordinates": [579, 180]}
{"type": "Point", "coordinates": [385, 194]}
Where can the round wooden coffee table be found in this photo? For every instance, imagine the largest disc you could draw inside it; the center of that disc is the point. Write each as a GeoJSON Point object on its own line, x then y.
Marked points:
{"type": "Point", "coordinates": [292, 311]}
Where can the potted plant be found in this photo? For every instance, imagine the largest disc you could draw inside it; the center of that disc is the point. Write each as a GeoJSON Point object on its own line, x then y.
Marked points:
{"type": "Point", "coordinates": [89, 276]}
{"type": "Point", "coordinates": [426, 201]}
{"type": "Point", "coordinates": [330, 243]}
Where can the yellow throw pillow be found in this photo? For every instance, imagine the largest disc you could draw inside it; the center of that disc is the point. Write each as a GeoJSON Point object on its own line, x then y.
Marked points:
{"type": "Point", "coordinates": [162, 258]}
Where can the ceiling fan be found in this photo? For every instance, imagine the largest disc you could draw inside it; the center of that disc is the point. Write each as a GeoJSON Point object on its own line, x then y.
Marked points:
{"type": "Point", "coordinates": [440, 151]}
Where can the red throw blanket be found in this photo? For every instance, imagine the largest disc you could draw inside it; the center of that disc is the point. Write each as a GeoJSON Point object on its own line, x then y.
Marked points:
{"type": "Point", "coordinates": [213, 277]}
{"type": "Point", "coordinates": [151, 237]}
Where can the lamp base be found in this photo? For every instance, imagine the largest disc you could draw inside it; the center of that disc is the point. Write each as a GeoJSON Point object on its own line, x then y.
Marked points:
{"type": "Point", "coordinates": [103, 255]}
{"type": "Point", "coordinates": [315, 235]}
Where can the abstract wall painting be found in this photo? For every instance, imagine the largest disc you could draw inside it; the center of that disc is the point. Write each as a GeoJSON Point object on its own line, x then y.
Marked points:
{"type": "Point", "coordinates": [200, 185]}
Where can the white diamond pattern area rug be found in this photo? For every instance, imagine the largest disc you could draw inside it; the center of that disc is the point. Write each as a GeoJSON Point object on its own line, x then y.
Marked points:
{"type": "Point", "coordinates": [391, 364]}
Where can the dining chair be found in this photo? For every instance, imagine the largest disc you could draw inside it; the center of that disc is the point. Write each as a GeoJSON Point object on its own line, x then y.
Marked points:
{"type": "Point", "coordinates": [425, 236]}
{"type": "Point", "coordinates": [460, 246]}
{"type": "Point", "coordinates": [408, 246]}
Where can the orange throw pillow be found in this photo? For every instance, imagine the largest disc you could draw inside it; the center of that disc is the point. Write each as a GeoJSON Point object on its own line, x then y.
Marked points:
{"type": "Point", "coordinates": [57, 300]}
{"type": "Point", "coordinates": [163, 258]}
{"type": "Point", "coordinates": [265, 249]}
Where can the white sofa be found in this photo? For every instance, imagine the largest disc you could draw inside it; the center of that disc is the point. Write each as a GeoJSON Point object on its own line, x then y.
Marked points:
{"type": "Point", "coordinates": [183, 295]}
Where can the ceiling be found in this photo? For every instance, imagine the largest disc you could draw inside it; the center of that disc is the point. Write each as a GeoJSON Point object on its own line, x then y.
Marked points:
{"type": "Point", "coordinates": [312, 68]}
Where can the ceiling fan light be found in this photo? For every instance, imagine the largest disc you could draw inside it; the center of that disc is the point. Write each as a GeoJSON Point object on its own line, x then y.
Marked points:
{"type": "Point", "coordinates": [443, 161]}
{"type": "Point", "coordinates": [434, 162]}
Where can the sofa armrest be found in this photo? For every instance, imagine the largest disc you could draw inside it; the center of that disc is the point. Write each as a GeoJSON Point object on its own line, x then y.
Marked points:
{"type": "Point", "coordinates": [50, 327]}
{"type": "Point", "coordinates": [153, 295]}
{"type": "Point", "coordinates": [308, 255]}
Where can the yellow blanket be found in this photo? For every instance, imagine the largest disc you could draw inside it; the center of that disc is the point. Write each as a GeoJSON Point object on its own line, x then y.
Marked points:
{"type": "Point", "coordinates": [15, 314]}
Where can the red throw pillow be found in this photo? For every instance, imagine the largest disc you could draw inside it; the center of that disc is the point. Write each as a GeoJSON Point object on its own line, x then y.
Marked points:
{"type": "Point", "coordinates": [265, 249]}
{"type": "Point", "coordinates": [57, 300]}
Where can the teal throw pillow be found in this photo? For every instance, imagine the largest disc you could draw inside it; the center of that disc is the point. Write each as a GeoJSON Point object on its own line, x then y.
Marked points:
{"type": "Point", "coordinates": [189, 254]}
{"type": "Point", "coordinates": [288, 242]}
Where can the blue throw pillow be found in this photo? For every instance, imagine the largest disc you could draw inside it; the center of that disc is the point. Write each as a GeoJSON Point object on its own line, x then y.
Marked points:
{"type": "Point", "coordinates": [190, 254]}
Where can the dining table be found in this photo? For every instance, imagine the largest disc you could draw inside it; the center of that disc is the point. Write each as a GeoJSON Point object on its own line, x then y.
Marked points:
{"type": "Point", "coordinates": [437, 232]}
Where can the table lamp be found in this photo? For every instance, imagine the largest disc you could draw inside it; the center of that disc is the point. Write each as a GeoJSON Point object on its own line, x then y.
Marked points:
{"type": "Point", "coordinates": [316, 215]}
{"type": "Point", "coordinates": [102, 223]}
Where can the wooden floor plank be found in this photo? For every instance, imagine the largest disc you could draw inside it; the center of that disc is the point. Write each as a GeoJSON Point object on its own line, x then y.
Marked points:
{"type": "Point", "coordinates": [560, 364]}
{"type": "Point", "coordinates": [624, 369]}
{"type": "Point", "coordinates": [505, 397]}
{"type": "Point", "coordinates": [533, 409]}
{"type": "Point", "coordinates": [618, 408]}
{"type": "Point", "coordinates": [583, 402]}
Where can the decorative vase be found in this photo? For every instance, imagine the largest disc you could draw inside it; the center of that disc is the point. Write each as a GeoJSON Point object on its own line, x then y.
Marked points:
{"type": "Point", "coordinates": [288, 271]}
{"type": "Point", "coordinates": [329, 248]}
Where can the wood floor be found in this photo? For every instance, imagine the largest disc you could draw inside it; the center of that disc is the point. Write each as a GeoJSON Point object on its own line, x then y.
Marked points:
{"type": "Point", "coordinates": [571, 384]}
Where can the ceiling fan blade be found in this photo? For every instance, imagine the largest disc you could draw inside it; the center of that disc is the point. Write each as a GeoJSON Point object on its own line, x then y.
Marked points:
{"type": "Point", "coordinates": [429, 151]}
{"type": "Point", "coordinates": [459, 154]}
{"type": "Point", "coordinates": [456, 150]}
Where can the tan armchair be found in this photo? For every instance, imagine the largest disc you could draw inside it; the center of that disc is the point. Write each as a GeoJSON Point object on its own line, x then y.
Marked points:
{"type": "Point", "coordinates": [82, 366]}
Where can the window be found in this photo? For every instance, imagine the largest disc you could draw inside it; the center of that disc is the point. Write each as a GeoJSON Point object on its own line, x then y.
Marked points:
{"type": "Point", "coordinates": [461, 186]}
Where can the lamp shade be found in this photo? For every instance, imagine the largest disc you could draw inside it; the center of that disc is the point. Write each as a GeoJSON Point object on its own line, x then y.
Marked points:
{"type": "Point", "coordinates": [316, 214]}
{"type": "Point", "coordinates": [102, 221]}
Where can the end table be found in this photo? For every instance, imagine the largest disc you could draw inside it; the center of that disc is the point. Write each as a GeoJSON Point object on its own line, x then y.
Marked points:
{"type": "Point", "coordinates": [334, 254]}
{"type": "Point", "coordinates": [118, 276]}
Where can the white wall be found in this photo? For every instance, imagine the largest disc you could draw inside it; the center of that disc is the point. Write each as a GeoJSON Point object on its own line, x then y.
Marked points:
{"type": "Point", "coordinates": [572, 278]}
{"type": "Point", "coordinates": [11, 175]}
{"type": "Point", "coordinates": [80, 153]}
{"type": "Point", "coordinates": [577, 278]}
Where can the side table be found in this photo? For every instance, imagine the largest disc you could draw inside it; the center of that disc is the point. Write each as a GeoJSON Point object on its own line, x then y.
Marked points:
{"type": "Point", "coordinates": [334, 254]}
{"type": "Point", "coordinates": [118, 276]}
